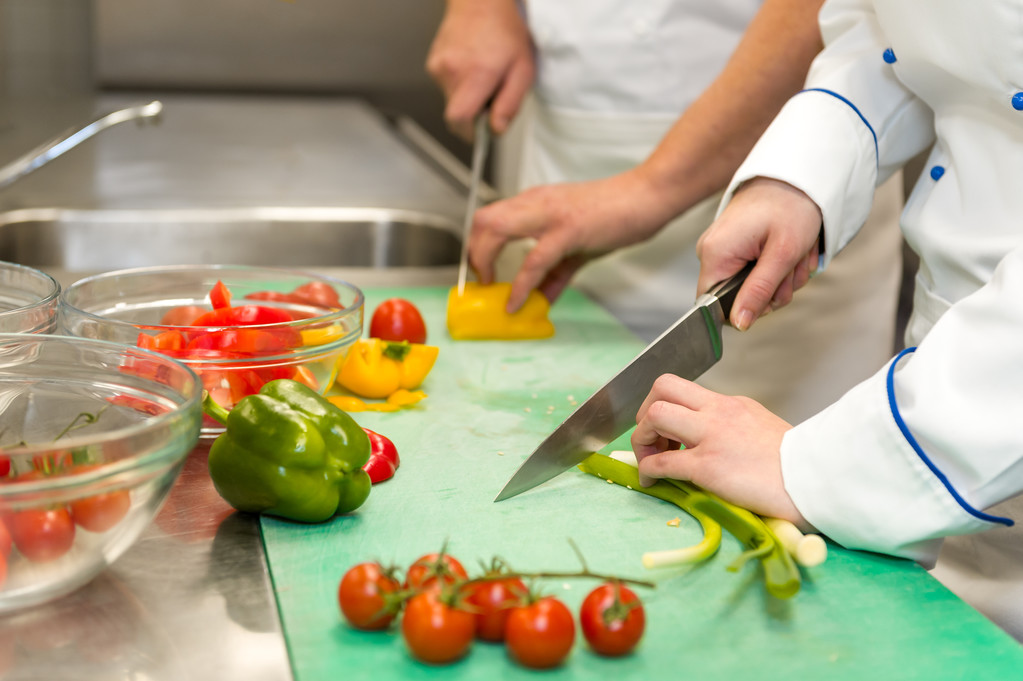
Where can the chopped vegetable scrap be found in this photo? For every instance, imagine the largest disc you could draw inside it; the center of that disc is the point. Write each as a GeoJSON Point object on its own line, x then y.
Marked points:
{"type": "Point", "coordinates": [289, 452]}
{"type": "Point", "coordinates": [376, 368]}
{"type": "Point", "coordinates": [781, 576]}
{"type": "Point", "coordinates": [479, 314]}
{"type": "Point", "coordinates": [399, 399]}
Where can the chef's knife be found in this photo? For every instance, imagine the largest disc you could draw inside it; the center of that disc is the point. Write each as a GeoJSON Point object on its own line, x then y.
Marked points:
{"type": "Point", "coordinates": [481, 141]}
{"type": "Point", "coordinates": [690, 347]}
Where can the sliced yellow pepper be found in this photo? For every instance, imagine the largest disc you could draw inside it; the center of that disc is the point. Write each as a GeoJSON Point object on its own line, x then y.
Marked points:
{"type": "Point", "coordinates": [479, 314]}
{"type": "Point", "coordinates": [399, 399]}
{"type": "Point", "coordinates": [377, 368]}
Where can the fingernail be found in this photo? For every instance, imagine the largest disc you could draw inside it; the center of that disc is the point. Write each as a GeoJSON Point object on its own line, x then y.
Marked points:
{"type": "Point", "coordinates": [743, 320]}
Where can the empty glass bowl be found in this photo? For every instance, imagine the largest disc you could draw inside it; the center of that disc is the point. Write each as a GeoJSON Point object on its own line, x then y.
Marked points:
{"type": "Point", "coordinates": [93, 437]}
{"type": "Point", "coordinates": [28, 300]}
{"type": "Point", "coordinates": [238, 327]}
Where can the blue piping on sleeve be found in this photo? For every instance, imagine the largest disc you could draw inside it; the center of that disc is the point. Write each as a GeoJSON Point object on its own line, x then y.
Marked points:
{"type": "Point", "coordinates": [877, 154]}
{"type": "Point", "coordinates": [923, 457]}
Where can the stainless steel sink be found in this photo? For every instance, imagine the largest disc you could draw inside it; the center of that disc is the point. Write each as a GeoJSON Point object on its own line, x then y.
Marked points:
{"type": "Point", "coordinates": [304, 237]}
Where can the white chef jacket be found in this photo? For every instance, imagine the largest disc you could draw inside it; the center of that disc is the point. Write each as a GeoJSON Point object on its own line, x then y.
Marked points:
{"type": "Point", "coordinates": [925, 447]}
{"type": "Point", "coordinates": [613, 76]}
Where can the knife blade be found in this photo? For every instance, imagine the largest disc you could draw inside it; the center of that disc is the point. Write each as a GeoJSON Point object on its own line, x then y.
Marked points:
{"type": "Point", "coordinates": [481, 141]}
{"type": "Point", "coordinates": [688, 348]}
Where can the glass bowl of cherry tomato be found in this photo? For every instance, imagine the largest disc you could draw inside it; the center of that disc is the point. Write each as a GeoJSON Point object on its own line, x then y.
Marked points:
{"type": "Point", "coordinates": [29, 300]}
{"type": "Point", "coordinates": [237, 327]}
{"type": "Point", "coordinates": [93, 436]}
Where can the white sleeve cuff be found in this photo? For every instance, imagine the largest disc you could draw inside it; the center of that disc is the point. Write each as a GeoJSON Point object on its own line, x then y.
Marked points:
{"type": "Point", "coordinates": [821, 145]}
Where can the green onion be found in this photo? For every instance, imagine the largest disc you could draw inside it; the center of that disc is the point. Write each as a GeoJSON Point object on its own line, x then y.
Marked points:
{"type": "Point", "coordinates": [781, 576]}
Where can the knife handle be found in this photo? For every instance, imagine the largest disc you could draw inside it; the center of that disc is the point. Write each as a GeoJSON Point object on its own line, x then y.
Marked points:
{"type": "Point", "coordinates": [724, 291]}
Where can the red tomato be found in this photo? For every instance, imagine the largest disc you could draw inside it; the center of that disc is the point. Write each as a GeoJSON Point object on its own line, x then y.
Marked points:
{"type": "Point", "coordinates": [540, 635]}
{"type": "Point", "coordinates": [5, 465]}
{"type": "Point", "coordinates": [362, 593]}
{"type": "Point", "coordinates": [612, 619]}
{"type": "Point", "coordinates": [492, 602]}
{"type": "Point", "coordinates": [436, 632]}
{"type": "Point", "coordinates": [101, 512]}
{"type": "Point", "coordinates": [396, 319]}
{"type": "Point", "coordinates": [183, 315]}
{"type": "Point", "coordinates": [42, 535]}
{"type": "Point", "coordinates": [434, 569]}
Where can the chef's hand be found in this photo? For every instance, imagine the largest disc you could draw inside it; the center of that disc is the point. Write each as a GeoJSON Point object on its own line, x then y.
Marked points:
{"type": "Point", "coordinates": [773, 223]}
{"type": "Point", "coordinates": [481, 50]}
{"type": "Point", "coordinates": [572, 223]}
{"type": "Point", "coordinates": [732, 446]}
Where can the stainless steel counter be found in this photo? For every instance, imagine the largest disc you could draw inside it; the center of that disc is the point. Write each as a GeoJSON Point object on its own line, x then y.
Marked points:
{"type": "Point", "coordinates": [192, 599]}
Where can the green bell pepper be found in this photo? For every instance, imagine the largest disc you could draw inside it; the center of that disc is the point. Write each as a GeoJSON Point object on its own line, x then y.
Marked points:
{"type": "Point", "coordinates": [289, 452]}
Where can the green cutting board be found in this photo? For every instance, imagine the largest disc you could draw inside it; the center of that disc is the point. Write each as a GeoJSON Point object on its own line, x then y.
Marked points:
{"type": "Point", "coordinates": [858, 616]}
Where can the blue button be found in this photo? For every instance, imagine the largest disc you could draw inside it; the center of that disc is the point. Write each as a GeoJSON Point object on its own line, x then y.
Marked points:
{"type": "Point", "coordinates": [937, 172]}
{"type": "Point", "coordinates": [889, 56]}
{"type": "Point", "coordinates": [1017, 101]}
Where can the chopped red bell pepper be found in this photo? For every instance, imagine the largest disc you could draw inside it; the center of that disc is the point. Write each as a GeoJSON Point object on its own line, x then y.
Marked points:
{"type": "Point", "coordinates": [243, 315]}
{"type": "Point", "coordinates": [256, 341]}
{"type": "Point", "coordinates": [315, 293]}
{"type": "Point", "coordinates": [220, 296]}
{"type": "Point", "coordinates": [383, 458]}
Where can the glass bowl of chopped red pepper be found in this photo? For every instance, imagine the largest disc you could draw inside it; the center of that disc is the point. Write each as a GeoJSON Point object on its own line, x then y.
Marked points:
{"type": "Point", "coordinates": [93, 436]}
{"type": "Point", "coordinates": [28, 300]}
{"type": "Point", "coordinates": [237, 327]}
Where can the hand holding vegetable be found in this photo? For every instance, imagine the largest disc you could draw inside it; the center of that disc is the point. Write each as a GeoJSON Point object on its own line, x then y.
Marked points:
{"type": "Point", "coordinates": [479, 313]}
{"type": "Point", "coordinates": [289, 452]}
{"type": "Point", "coordinates": [732, 445]}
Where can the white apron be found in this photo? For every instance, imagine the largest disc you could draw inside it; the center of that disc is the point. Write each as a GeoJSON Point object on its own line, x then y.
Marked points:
{"type": "Point", "coordinates": [931, 445]}
{"type": "Point", "coordinates": [613, 77]}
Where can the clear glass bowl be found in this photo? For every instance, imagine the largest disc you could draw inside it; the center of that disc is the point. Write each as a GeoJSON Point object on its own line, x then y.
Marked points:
{"type": "Point", "coordinates": [93, 437]}
{"type": "Point", "coordinates": [29, 300]}
{"type": "Point", "coordinates": [302, 329]}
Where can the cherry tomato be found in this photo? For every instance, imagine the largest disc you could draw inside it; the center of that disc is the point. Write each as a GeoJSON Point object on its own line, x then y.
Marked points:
{"type": "Point", "coordinates": [612, 619]}
{"type": "Point", "coordinates": [361, 596]}
{"type": "Point", "coordinates": [435, 631]}
{"type": "Point", "coordinates": [42, 535]}
{"type": "Point", "coordinates": [434, 569]}
{"type": "Point", "coordinates": [5, 465]}
{"type": "Point", "coordinates": [491, 603]}
{"type": "Point", "coordinates": [540, 635]}
{"type": "Point", "coordinates": [396, 319]}
{"type": "Point", "coordinates": [100, 512]}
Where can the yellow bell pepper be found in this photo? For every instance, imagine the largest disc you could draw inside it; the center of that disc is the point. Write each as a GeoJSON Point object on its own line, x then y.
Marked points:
{"type": "Point", "coordinates": [377, 368]}
{"type": "Point", "coordinates": [479, 314]}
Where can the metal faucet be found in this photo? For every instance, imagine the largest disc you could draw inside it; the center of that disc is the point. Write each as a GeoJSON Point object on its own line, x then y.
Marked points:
{"type": "Point", "coordinates": [48, 151]}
